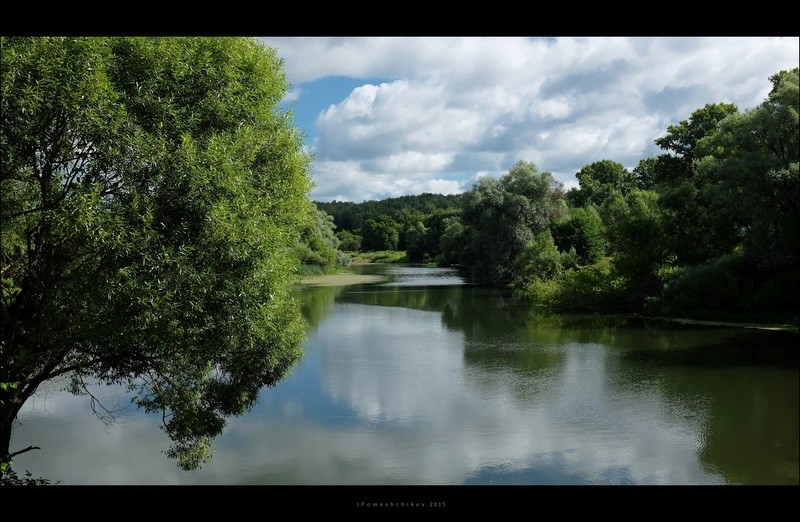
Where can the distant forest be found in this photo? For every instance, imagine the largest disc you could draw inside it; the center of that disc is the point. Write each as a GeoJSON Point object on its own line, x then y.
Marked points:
{"type": "Point", "coordinates": [351, 216]}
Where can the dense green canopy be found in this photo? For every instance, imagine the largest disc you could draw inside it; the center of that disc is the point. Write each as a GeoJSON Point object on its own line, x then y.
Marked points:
{"type": "Point", "coordinates": [152, 193]}
{"type": "Point", "coordinates": [501, 217]}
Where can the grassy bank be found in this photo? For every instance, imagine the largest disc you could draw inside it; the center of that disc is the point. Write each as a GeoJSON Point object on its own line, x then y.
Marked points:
{"type": "Point", "coordinates": [342, 279]}
{"type": "Point", "coordinates": [381, 256]}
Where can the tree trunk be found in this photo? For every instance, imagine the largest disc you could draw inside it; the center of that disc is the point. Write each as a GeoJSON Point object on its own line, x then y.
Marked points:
{"type": "Point", "coordinates": [7, 413]}
{"type": "Point", "coordinates": [11, 403]}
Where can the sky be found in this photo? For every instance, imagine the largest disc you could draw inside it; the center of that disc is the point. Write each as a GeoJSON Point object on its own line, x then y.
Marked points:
{"type": "Point", "coordinates": [392, 116]}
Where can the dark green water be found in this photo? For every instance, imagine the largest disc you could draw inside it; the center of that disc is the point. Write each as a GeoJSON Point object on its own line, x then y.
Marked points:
{"type": "Point", "coordinates": [423, 380]}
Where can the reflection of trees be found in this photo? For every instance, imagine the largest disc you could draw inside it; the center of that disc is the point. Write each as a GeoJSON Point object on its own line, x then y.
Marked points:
{"type": "Point", "coordinates": [744, 387]}
{"type": "Point", "coordinates": [738, 388]}
{"type": "Point", "coordinates": [428, 298]}
{"type": "Point", "coordinates": [712, 348]}
{"type": "Point", "coordinates": [495, 325]}
{"type": "Point", "coordinates": [751, 433]}
{"type": "Point", "coordinates": [317, 302]}
{"type": "Point", "coordinates": [741, 384]}
{"type": "Point", "coordinates": [500, 331]}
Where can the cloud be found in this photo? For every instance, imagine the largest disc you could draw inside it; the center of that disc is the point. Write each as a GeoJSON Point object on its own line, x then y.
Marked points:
{"type": "Point", "coordinates": [452, 107]}
{"type": "Point", "coordinates": [391, 118]}
{"type": "Point", "coordinates": [349, 181]}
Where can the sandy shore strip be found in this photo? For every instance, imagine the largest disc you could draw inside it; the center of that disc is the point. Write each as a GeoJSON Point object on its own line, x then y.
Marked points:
{"type": "Point", "coordinates": [341, 279]}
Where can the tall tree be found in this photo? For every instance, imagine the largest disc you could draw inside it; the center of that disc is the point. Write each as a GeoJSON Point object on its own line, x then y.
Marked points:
{"type": "Point", "coordinates": [500, 217]}
{"type": "Point", "coordinates": [379, 234]}
{"type": "Point", "coordinates": [636, 229]}
{"type": "Point", "coordinates": [318, 246]}
{"type": "Point", "coordinates": [151, 196]}
{"type": "Point", "coordinates": [752, 164]}
{"type": "Point", "coordinates": [652, 172]}
{"type": "Point", "coordinates": [600, 180]}
{"type": "Point", "coordinates": [452, 240]}
{"type": "Point", "coordinates": [584, 232]}
{"type": "Point", "coordinates": [696, 233]}
{"type": "Point", "coordinates": [348, 242]}
{"type": "Point", "coordinates": [681, 139]}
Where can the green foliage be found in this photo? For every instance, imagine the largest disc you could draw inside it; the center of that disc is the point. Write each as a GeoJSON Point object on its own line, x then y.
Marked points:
{"type": "Point", "coordinates": [500, 217]}
{"type": "Point", "coordinates": [682, 138]}
{"type": "Point", "coordinates": [9, 477]}
{"type": "Point", "coordinates": [592, 288]}
{"type": "Point", "coordinates": [318, 248]}
{"type": "Point", "coordinates": [710, 286]}
{"type": "Point", "coordinates": [636, 228]}
{"type": "Point", "coordinates": [652, 173]}
{"type": "Point", "coordinates": [404, 209]}
{"type": "Point", "coordinates": [414, 243]}
{"type": "Point", "coordinates": [348, 242]}
{"type": "Point", "coordinates": [539, 260]}
{"type": "Point", "coordinates": [451, 242]}
{"type": "Point", "coordinates": [752, 165]}
{"type": "Point", "coordinates": [418, 222]}
{"type": "Point", "coordinates": [693, 209]}
{"type": "Point", "coordinates": [7, 386]}
{"type": "Point", "coordinates": [8, 291]}
{"type": "Point", "coordinates": [646, 173]}
{"type": "Point", "coordinates": [540, 292]}
{"type": "Point", "coordinates": [423, 237]}
{"type": "Point", "coordinates": [342, 259]}
{"type": "Point", "coordinates": [582, 232]}
{"type": "Point", "coordinates": [152, 195]}
{"type": "Point", "coordinates": [381, 256]}
{"type": "Point", "coordinates": [570, 259]}
{"type": "Point", "coordinates": [731, 287]}
{"type": "Point", "coordinates": [380, 234]}
{"type": "Point", "coordinates": [692, 205]}
{"type": "Point", "coordinates": [600, 180]}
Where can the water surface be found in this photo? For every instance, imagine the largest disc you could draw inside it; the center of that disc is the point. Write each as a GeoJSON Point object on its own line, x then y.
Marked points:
{"type": "Point", "coordinates": [424, 380]}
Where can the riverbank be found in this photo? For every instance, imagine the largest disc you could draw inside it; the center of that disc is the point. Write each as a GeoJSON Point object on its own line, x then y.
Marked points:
{"type": "Point", "coordinates": [381, 256]}
{"type": "Point", "coordinates": [699, 322]}
{"type": "Point", "coordinates": [344, 279]}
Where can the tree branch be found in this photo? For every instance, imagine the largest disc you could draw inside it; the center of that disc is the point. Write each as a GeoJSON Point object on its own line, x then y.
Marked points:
{"type": "Point", "coordinates": [24, 212]}
{"type": "Point", "coordinates": [79, 366]}
{"type": "Point", "coordinates": [29, 448]}
{"type": "Point", "coordinates": [108, 416]}
{"type": "Point", "coordinates": [52, 372]}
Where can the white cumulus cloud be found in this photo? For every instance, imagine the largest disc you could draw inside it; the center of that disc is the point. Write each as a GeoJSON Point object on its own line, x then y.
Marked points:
{"type": "Point", "coordinates": [453, 107]}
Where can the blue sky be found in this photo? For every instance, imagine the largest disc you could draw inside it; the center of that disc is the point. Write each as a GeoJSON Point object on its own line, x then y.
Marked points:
{"type": "Point", "coordinates": [390, 116]}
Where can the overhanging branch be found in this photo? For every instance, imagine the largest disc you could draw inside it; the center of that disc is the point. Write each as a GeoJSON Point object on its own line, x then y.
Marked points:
{"type": "Point", "coordinates": [20, 452]}
{"type": "Point", "coordinates": [92, 362]}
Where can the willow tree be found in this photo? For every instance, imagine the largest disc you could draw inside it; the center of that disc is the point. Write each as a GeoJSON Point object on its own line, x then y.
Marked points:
{"type": "Point", "coordinates": [751, 165]}
{"type": "Point", "coordinates": [501, 217]}
{"type": "Point", "coordinates": [151, 194]}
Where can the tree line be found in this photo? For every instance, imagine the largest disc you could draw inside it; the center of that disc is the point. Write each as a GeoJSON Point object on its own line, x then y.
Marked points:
{"type": "Point", "coordinates": [708, 228]}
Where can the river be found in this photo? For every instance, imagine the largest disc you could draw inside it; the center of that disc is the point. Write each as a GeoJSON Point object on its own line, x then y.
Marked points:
{"type": "Point", "coordinates": [423, 380]}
